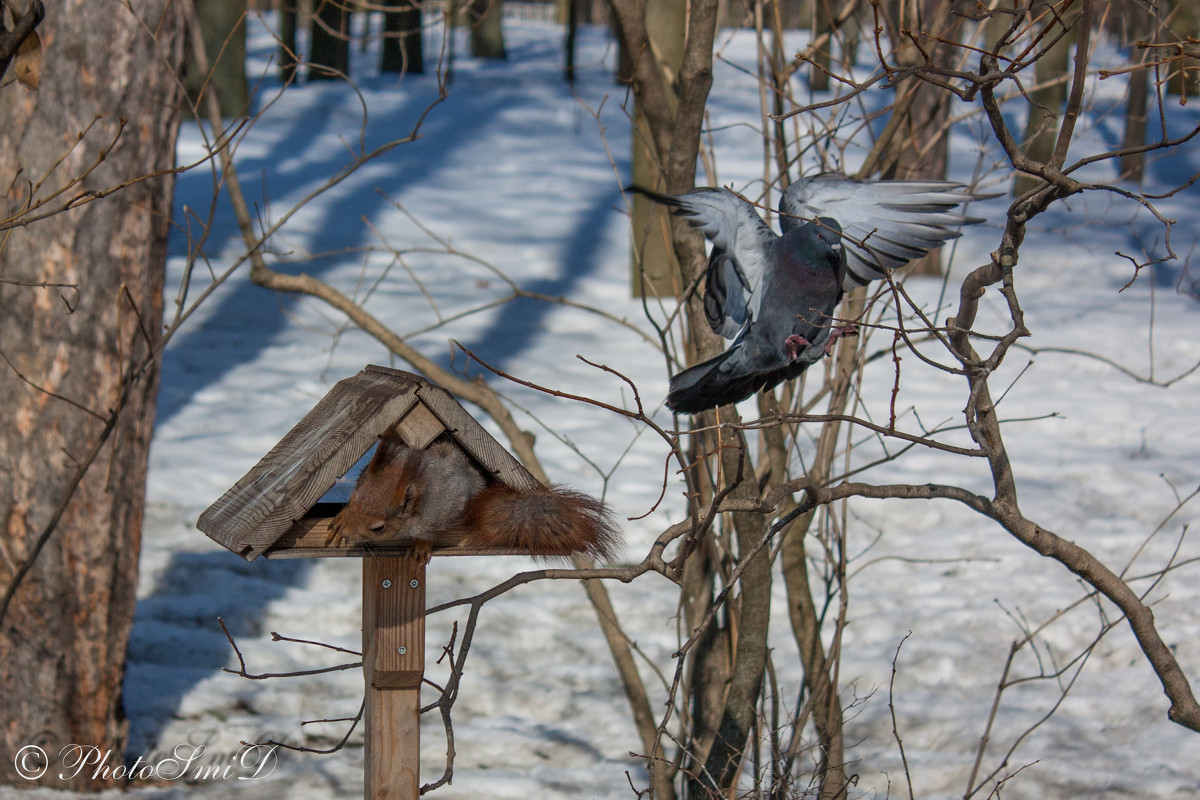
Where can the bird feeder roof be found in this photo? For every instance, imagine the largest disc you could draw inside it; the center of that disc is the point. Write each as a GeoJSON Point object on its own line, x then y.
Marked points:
{"type": "Point", "coordinates": [274, 510]}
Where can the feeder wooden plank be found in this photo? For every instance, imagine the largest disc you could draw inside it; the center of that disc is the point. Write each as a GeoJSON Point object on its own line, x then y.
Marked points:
{"type": "Point", "coordinates": [419, 427]}
{"type": "Point", "coordinates": [490, 454]}
{"type": "Point", "coordinates": [266, 510]}
{"type": "Point", "coordinates": [392, 765]}
{"type": "Point", "coordinates": [306, 539]}
{"type": "Point", "coordinates": [394, 619]}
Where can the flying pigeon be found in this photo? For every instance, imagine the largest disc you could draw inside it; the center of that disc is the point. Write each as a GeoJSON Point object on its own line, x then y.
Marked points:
{"type": "Point", "coordinates": [775, 296]}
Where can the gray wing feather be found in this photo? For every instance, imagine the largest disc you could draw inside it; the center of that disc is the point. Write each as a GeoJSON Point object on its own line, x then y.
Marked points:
{"type": "Point", "coordinates": [740, 240]}
{"type": "Point", "coordinates": [885, 224]}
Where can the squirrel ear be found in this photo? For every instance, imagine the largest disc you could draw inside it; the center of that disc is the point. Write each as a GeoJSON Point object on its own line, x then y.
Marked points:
{"type": "Point", "coordinates": [378, 461]}
{"type": "Point", "coordinates": [387, 453]}
{"type": "Point", "coordinates": [383, 454]}
{"type": "Point", "coordinates": [410, 494]}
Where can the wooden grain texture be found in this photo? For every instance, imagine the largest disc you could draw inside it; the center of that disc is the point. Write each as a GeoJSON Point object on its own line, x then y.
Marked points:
{"type": "Point", "coordinates": [392, 769]}
{"type": "Point", "coordinates": [489, 453]}
{"type": "Point", "coordinates": [290, 479]}
{"type": "Point", "coordinates": [419, 427]}
{"type": "Point", "coordinates": [393, 620]}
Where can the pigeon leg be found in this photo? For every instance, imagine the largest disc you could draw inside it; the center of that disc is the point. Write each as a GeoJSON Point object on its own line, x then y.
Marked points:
{"type": "Point", "coordinates": [793, 344]}
{"type": "Point", "coordinates": [837, 333]}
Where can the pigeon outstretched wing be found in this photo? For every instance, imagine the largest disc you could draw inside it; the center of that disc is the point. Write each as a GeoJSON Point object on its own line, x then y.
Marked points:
{"type": "Point", "coordinates": [740, 241]}
{"type": "Point", "coordinates": [885, 224]}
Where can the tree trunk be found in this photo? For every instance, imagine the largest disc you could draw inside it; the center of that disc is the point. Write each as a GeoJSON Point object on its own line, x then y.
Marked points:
{"type": "Point", "coordinates": [655, 270]}
{"type": "Point", "coordinates": [329, 49]}
{"type": "Point", "coordinates": [672, 108]}
{"type": "Point", "coordinates": [487, 29]}
{"type": "Point", "coordinates": [592, 12]}
{"type": "Point", "coordinates": [403, 50]}
{"type": "Point", "coordinates": [744, 681]}
{"type": "Point", "coordinates": [571, 11]}
{"type": "Point", "coordinates": [13, 36]}
{"type": "Point", "coordinates": [289, 58]}
{"type": "Point", "coordinates": [82, 299]}
{"type": "Point", "coordinates": [793, 14]}
{"type": "Point", "coordinates": [223, 24]}
{"type": "Point", "coordinates": [1138, 25]}
{"type": "Point", "coordinates": [1184, 21]}
{"type": "Point", "coordinates": [822, 22]}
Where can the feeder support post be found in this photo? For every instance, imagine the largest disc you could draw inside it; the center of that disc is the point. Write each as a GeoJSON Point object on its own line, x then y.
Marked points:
{"type": "Point", "coordinates": [393, 666]}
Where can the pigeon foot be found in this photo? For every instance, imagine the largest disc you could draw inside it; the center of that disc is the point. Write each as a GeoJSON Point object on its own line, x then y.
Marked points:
{"type": "Point", "coordinates": [793, 344]}
{"type": "Point", "coordinates": [838, 333]}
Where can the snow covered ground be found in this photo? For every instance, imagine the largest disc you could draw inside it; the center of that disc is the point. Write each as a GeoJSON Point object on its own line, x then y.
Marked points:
{"type": "Point", "coordinates": [520, 171]}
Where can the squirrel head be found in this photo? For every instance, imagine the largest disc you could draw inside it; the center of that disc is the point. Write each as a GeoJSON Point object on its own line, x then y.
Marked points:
{"type": "Point", "coordinates": [406, 494]}
{"type": "Point", "coordinates": [387, 494]}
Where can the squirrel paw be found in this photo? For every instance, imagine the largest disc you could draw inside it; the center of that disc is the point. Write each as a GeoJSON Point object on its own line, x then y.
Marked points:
{"type": "Point", "coordinates": [334, 537]}
{"type": "Point", "coordinates": [420, 551]}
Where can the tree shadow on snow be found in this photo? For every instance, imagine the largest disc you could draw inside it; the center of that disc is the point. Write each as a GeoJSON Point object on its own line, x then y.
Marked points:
{"type": "Point", "coordinates": [177, 643]}
{"type": "Point", "coordinates": [243, 319]}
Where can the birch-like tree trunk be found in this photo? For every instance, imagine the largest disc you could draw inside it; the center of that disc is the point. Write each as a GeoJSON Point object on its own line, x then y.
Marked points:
{"type": "Point", "coordinates": [223, 23]}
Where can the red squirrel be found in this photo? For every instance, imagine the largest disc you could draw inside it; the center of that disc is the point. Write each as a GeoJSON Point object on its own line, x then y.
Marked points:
{"type": "Point", "coordinates": [424, 495]}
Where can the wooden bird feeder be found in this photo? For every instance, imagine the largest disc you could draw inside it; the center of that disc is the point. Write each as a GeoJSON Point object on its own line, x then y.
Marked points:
{"type": "Point", "coordinates": [275, 511]}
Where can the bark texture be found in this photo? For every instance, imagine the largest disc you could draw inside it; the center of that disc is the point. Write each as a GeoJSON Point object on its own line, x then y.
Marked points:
{"type": "Point", "coordinates": [329, 41]}
{"type": "Point", "coordinates": [81, 293]}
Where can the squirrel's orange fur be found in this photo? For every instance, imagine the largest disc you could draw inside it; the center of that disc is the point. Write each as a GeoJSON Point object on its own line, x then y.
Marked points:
{"type": "Point", "coordinates": [424, 495]}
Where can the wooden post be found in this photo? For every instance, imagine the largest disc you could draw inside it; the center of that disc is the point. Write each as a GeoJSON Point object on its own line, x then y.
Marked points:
{"type": "Point", "coordinates": [393, 664]}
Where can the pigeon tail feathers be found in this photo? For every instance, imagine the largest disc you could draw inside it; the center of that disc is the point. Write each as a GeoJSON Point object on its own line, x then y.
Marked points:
{"type": "Point", "coordinates": [706, 386]}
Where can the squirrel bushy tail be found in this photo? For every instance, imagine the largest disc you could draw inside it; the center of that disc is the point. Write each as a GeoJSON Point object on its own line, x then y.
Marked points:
{"type": "Point", "coordinates": [544, 520]}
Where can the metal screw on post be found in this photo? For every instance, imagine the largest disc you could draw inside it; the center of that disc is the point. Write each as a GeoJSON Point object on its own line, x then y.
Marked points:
{"type": "Point", "coordinates": [401, 649]}
{"type": "Point", "coordinates": [414, 583]}
{"type": "Point", "coordinates": [387, 584]}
